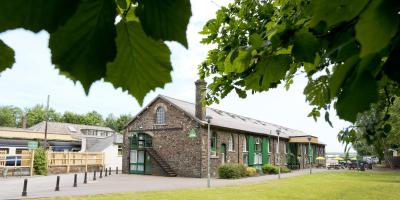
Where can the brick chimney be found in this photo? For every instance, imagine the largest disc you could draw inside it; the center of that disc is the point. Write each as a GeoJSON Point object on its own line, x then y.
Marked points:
{"type": "Point", "coordinates": [200, 98]}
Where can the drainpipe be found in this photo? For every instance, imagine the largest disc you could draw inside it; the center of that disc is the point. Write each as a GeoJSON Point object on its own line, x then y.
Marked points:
{"type": "Point", "coordinates": [238, 159]}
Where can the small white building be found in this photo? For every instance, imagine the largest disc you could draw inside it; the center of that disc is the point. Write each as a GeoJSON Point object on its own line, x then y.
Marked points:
{"type": "Point", "coordinates": [93, 139]}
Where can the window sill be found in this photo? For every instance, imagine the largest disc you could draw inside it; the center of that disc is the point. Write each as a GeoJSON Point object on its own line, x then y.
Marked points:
{"type": "Point", "coordinates": [160, 124]}
{"type": "Point", "coordinates": [214, 157]}
{"type": "Point", "coordinates": [232, 151]}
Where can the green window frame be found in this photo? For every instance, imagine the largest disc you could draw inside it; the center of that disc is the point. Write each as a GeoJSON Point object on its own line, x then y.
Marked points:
{"type": "Point", "coordinates": [213, 143]}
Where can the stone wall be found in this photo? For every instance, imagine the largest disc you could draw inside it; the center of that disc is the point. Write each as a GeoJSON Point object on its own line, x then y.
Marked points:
{"type": "Point", "coordinates": [235, 156]}
{"type": "Point", "coordinates": [170, 140]}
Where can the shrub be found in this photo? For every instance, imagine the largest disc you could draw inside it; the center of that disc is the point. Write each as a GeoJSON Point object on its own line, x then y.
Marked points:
{"type": "Point", "coordinates": [250, 171]}
{"type": "Point", "coordinates": [270, 169]}
{"type": "Point", "coordinates": [231, 171]}
{"type": "Point", "coordinates": [40, 161]}
{"type": "Point", "coordinates": [242, 169]}
{"type": "Point", "coordinates": [285, 169]}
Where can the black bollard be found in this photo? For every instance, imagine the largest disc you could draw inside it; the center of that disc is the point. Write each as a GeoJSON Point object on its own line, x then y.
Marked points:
{"type": "Point", "coordinates": [58, 184]}
{"type": "Point", "coordinates": [85, 178]}
{"type": "Point", "coordinates": [109, 171]}
{"type": "Point", "coordinates": [94, 175]}
{"type": "Point", "coordinates": [101, 173]}
{"type": "Point", "coordinates": [116, 170]}
{"type": "Point", "coordinates": [25, 187]}
{"type": "Point", "coordinates": [106, 172]}
{"type": "Point", "coordinates": [75, 180]}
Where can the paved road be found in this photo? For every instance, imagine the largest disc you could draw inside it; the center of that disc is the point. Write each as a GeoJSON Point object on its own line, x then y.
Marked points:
{"type": "Point", "coordinates": [44, 186]}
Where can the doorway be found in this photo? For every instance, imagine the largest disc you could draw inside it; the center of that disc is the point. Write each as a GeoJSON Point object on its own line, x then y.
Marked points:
{"type": "Point", "coordinates": [140, 160]}
{"type": "Point", "coordinates": [223, 153]}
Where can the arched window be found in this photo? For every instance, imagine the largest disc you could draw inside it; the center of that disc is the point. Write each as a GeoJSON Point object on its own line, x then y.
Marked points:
{"type": "Point", "coordinates": [230, 143]}
{"type": "Point", "coordinates": [160, 115]}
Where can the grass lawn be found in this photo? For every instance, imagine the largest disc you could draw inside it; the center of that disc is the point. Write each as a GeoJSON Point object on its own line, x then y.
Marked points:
{"type": "Point", "coordinates": [328, 185]}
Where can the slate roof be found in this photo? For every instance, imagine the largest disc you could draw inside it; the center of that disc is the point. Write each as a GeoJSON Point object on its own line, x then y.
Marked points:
{"type": "Point", "coordinates": [66, 128]}
{"type": "Point", "coordinates": [229, 120]}
{"type": "Point", "coordinates": [100, 144]}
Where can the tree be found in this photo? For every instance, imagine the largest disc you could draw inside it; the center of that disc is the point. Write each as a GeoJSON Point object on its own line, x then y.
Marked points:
{"type": "Point", "coordinates": [73, 118]}
{"type": "Point", "coordinates": [117, 124]}
{"type": "Point", "coordinates": [37, 114]}
{"type": "Point", "coordinates": [93, 118]}
{"type": "Point", "coordinates": [10, 116]}
{"type": "Point", "coordinates": [348, 50]}
{"type": "Point", "coordinates": [376, 131]}
{"type": "Point", "coordinates": [110, 39]}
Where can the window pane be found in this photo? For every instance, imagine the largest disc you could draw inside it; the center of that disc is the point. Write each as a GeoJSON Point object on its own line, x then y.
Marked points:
{"type": "Point", "coordinates": [140, 157]}
{"type": "Point", "coordinates": [133, 156]}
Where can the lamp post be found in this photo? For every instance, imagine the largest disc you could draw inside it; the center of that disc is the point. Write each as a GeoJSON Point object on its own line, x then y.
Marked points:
{"type": "Point", "coordinates": [309, 152]}
{"type": "Point", "coordinates": [209, 152]}
{"type": "Point", "coordinates": [278, 131]}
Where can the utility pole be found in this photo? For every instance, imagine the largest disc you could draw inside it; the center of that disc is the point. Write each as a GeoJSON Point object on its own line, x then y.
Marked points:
{"type": "Point", "coordinates": [47, 119]}
{"type": "Point", "coordinates": [278, 131]}
{"type": "Point", "coordinates": [209, 152]}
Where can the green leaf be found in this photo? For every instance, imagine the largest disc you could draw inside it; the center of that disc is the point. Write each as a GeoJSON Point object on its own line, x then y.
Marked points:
{"type": "Point", "coordinates": [255, 40]}
{"type": "Point", "coordinates": [305, 46]}
{"type": "Point", "coordinates": [356, 97]}
{"type": "Point", "coordinates": [387, 128]}
{"type": "Point", "coordinates": [83, 46]}
{"type": "Point", "coordinates": [340, 74]}
{"type": "Point", "coordinates": [6, 56]}
{"type": "Point", "coordinates": [317, 91]}
{"type": "Point", "coordinates": [165, 19]}
{"type": "Point", "coordinates": [327, 119]}
{"type": "Point", "coordinates": [123, 4]}
{"type": "Point", "coordinates": [35, 15]}
{"type": "Point", "coordinates": [336, 11]}
{"type": "Point", "coordinates": [376, 27]}
{"type": "Point", "coordinates": [240, 64]}
{"type": "Point", "coordinates": [268, 73]}
{"type": "Point", "coordinates": [142, 63]}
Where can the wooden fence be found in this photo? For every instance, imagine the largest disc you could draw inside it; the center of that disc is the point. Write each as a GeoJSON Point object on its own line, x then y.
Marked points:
{"type": "Point", "coordinates": [70, 160]}
{"type": "Point", "coordinates": [16, 162]}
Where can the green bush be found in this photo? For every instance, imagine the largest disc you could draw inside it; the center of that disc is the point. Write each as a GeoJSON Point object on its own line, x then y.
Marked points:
{"type": "Point", "coordinates": [231, 171]}
{"type": "Point", "coordinates": [270, 169]}
{"type": "Point", "coordinates": [40, 161]}
{"type": "Point", "coordinates": [285, 169]}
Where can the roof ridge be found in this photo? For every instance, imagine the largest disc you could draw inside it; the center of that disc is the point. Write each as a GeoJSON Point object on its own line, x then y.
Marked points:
{"type": "Point", "coordinates": [216, 109]}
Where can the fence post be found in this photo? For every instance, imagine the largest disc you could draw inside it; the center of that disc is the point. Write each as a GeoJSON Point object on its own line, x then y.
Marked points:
{"type": "Point", "coordinates": [24, 193]}
{"type": "Point", "coordinates": [86, 158]}
{"type": "Point", "coordinates": [109, 171]}
{"type": "Point", "coordinates": [58, 184]}
{"type": "Point", "coordinates": [75, 180]}
{"type": "Point", "coordinates": [68, 162]}
{"type": "Point", "coordinates": [94, 175]}
{"type": "Point", "coordinates": [106, 172]}
{"type": "Point", "coordinates": [116, 170]}
{"type": "Point", "coordinates": [101, 173]}
{"type": "Point", "coordinates": [32, 160]}
{"type": "Point", "coordinates": [85, 179]}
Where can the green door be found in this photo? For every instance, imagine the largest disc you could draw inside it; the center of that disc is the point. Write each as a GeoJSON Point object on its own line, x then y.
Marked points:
{"type": "Point", "coordinates": [223, 153]}
{"type": "Point", "coordinates": [137, 162]}
{"type": "Point", "coordinates": [147, 165]}
{"type": "Point", "coordinates": [140, 161]}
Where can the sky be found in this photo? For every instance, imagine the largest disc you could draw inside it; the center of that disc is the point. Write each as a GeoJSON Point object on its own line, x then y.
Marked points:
{"type": "Point", "coordinates": [33, 77]}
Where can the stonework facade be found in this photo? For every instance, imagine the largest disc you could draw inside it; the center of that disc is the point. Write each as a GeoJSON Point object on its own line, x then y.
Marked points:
{"type": "Point", "coordinates": [186, 154]}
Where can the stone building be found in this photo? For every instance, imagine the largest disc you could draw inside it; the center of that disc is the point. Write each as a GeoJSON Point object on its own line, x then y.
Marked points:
{"type": "Point", "coordinates": [169, 137]}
